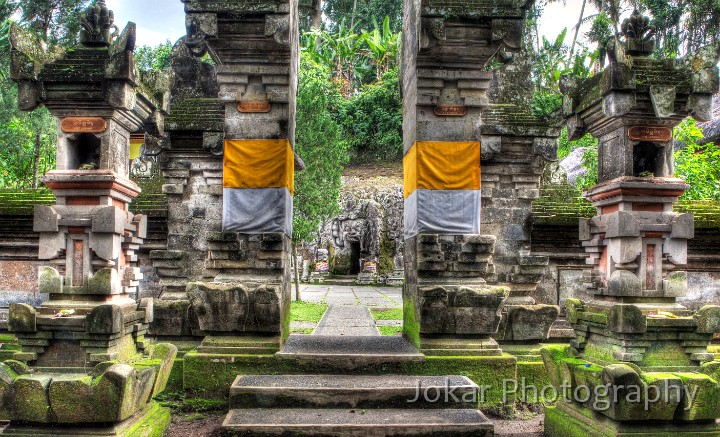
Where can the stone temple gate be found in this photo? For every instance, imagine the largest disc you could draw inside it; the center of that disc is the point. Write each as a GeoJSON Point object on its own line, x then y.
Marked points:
{"type": "Point", "coordinates": [474, 154]}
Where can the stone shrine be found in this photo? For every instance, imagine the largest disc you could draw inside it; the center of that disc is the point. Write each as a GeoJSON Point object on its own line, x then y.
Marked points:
{"type": "Point", "coordinates": [633, 333]}
{"type": "Point", "coordinates": [92, 369]}
{"type": "Point", "coordinates": [467, 264]}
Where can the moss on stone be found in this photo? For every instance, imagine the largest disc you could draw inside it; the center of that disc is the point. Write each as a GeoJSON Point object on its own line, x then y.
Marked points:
{"type": "Point", "coordinates": [411, 324]}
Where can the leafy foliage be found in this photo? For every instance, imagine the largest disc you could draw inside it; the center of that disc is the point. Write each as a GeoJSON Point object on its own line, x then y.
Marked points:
{"type": "Point", "coordinates": [57, 21]}
{"type": "Point", "coordinates": [372, 120]}
{"type": "Point", "coordinates": [363, 13]}
{"type": "Point", "coordinates": [698, 165]}
{"type": "Point", "coordinates": [321, 146]}
{"type": "Point", "coordinates": [154, 58]}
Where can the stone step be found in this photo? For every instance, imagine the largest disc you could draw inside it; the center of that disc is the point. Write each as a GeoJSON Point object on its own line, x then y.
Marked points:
{"type": "Point", "coordinates": [353, 391]}
{"type": "Point", "coordinates": [357, 422]}
{"type": "Point", "coordinates": [349, 352]}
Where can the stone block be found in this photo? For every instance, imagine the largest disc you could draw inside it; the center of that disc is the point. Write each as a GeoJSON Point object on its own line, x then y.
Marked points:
{"type": "Point", "coordinates": [705, 405]}
{"type": "Point", "coordinates": [573, 307]}
{"type": "Point", "coordinates": [675, 285]}
{"type": "Point", "coordinates": [173, 189]}
{"type": "Point", "coordinates": [530, 322]}
{"type": "Point", "coordinates": [622, 224]}
{"type": "Point", "coordinates": [45, 219]}
{"type": "Point", "coordinates": [49, 281]}
{"type": "Point", "coordinates": [22, 318]}
{"type": "Point", "coordinates": [147, 306]}
{"type": "Point", "coordinates": [683, 227]}
{"type": "Point", "coordinates": [104, 319]}
{"type": "Point", "coordinates": [708, 320]}
{"type": "Point", "coordinates": [27, 399]}
{"type": "Point", "coordinates": [110, 219]}
{"type": "Point", "coordinates": [104, 281]}
{"type": "Point", "coordinates": [73, 401]}
{"type": "Point", "coordinates": [163, 354]}
{"type": "Point", "coordinates": [461, 309]}
{"type": "Point", "coordinates": [624, 283]}
{"type": "Point", "coordinates": [627, 319]}
{"type": "Point", "coordinates": [236, 307]}
{"type": "Point", "coordinates": [123, 390]}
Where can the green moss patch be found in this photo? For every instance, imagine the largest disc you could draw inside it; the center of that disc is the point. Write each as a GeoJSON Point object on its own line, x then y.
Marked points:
{"type": "Point", "coordinates": [390, 330]}
{"type": "Point", "coordinates": [387, 313]}
{"type": "Point", "coordinates": [307, 311]}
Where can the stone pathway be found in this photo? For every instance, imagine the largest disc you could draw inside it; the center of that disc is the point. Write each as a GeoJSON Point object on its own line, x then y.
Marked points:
{"type": "Point", "coordinates": [348, 313]}
{"type": "Point", "coordinates": [347, 320]}
{"type": "Point", "coordinates": [381, 297]}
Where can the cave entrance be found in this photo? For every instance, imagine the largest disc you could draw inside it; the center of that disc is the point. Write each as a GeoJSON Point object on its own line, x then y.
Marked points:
{"type": "Point", "coordinates": [354, 257]}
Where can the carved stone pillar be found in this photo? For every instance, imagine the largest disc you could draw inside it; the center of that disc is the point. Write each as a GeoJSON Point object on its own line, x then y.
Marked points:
{"type": "Point", "coordinates": [255, 48]}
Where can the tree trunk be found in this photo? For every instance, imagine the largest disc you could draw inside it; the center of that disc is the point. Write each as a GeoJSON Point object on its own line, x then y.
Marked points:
{"type": "Point", "coordinates": [297, 276]}
{"type": "Point", "coordinates": [577, 29]}
{"type": "Point", "coordinates": [36, 160]}
{"type": "Point", "coordinates": [352, 18]}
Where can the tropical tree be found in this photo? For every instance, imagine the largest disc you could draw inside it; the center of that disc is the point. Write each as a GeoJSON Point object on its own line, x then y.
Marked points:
{"type": "Point", "coordinates": [383, 46]}
{"type": "Point", "coordinates": [154, 58]}
{"type": "Point", "coordinates": [319, 142]}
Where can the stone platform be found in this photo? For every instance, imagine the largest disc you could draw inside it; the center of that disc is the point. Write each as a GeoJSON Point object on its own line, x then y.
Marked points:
{"type": "Point", "coordinates": [572, 421]}
{"type": "Point", "coordinates": [150, 422]}
{"type": "Point", "coordinates": [348, 352]}
{"type": "Point", "coordinates": [332, 405]}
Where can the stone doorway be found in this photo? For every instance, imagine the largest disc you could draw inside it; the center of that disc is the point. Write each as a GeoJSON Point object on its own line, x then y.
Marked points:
{"type": "Point", "coordinates": [354, 257]}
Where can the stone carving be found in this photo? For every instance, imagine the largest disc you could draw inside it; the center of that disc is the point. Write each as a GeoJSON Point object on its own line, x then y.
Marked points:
{"type": "Point", "coordinates": [96, 22]}
{"type": "Point", "coordinates": [461, 309]}
{"type": "Point", "coordinates": [639, 35]}
{"type": "Point", "coordinates": [226, 308]}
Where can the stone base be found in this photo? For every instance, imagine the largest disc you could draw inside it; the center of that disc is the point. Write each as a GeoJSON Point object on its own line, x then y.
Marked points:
{"type": "Point", "coordinates": [568, 420]}
{"type": "Point", "coordinates": [246, 344]}
{"type": "Point", "coordinates": [152, 421]}
{"type": "Point", "coordinates": [460, 347]}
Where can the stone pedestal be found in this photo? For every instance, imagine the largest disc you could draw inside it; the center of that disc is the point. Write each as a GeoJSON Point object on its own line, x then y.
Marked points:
{"type": "Point", "coordinates": [634, 336]}
{"type": "Point", "coordinates": [94, 373]}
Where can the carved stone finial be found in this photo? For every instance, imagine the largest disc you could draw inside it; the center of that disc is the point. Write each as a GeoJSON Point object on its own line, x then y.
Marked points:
{"type": "Point", "coordinates": [639, 35]}
{"type": "Point", "coordinates": [96, 23]}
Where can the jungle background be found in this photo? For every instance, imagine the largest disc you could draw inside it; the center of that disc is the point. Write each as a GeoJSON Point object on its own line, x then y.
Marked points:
{"type": "Point", "coordinates": [350, 108]}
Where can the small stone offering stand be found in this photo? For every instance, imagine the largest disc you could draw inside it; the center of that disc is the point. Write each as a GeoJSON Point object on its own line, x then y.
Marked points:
{"type": "Point", "coordinates": [639, 364]}
{"type": "Point", "coordinates": [85, 367]}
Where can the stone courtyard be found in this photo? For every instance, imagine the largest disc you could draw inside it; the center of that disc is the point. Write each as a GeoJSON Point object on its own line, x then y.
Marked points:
{"type": "Point", "coordinates": [457, 311]}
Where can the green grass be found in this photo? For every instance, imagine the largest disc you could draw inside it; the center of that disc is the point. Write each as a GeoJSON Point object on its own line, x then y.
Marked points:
{"type": "Point", "coordinates": [306, 331]}
{"type": "Point", "coordinates": [307, 311]}
{"type": "Point", "coordinates": [387, 313]}
{"type": "Point", "coordinates": [390, 330]}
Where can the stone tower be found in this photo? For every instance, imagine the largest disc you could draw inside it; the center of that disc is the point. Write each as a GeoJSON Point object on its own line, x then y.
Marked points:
{"type": "Point", "coordinates": [634, 333]}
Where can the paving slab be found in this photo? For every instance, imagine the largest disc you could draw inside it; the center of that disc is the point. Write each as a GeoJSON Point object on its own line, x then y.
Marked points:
{"type": "Point", "coordinates": [348, 352]}
{"type": "Point", "coordinates": [347, 321]}
{"type": "Point", "coordinates": [356, 422]}
{"type": "Point", "coordinates": [353, 391]}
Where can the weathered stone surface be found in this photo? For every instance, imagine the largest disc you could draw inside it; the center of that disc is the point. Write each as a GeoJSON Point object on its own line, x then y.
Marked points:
{"type": "Point", "coordinates": [237, 307]}
{"type": "Point", "coordinates": [105, 319]}
{"type": "Point", "coordinates": [23, 318]}
{"type": "Point", "coordinates": [461, 309]}
{"type": "Point", "coordinates": [27, 399]}
{"type": "Point", "coordinates": [530, 322]}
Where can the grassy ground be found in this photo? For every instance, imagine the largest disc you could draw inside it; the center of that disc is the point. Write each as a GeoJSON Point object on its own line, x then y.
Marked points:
{"type": "Point", "coordinates": [390, 331]}
{"type": "Point", "coordinates": [387, 313]}
{"type": "Point", "coordinates": [307, 311]}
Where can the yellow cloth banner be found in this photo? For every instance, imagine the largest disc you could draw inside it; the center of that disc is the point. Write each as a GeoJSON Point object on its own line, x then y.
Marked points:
{"type": "Point", "coordinates": [259, 164]}
{"type": "Point", "coordinates": [440, 165]}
